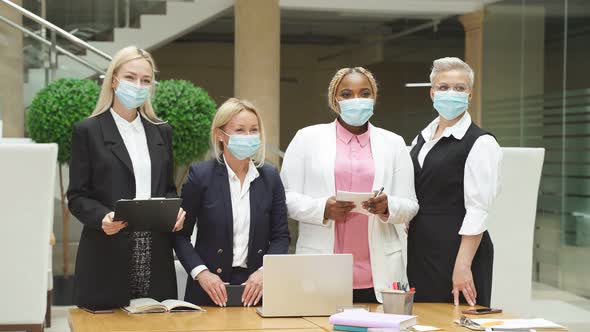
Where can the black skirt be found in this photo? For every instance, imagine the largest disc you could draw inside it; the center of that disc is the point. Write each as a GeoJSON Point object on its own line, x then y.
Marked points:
{"type": "Point", "coordinates": [433, 244]}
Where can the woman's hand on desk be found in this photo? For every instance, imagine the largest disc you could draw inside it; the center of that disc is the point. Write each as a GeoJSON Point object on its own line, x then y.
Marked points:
{"type": "Point", "coordinates": [179, 220]}
{"type": "Point", "coordinates": [111, 227]}
{"type": "Point", "coordinates": [337, 209]}
{"type": "Point", "coordinates": [253, 290]}
{"type": "Point", "coordinates": [463, 283]}
{"type": "Point", "coordinates": [213, 286]}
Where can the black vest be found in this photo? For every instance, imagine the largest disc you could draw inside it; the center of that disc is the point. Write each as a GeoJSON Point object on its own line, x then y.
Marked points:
{"type": "Point", "coordinates": [439, 182]}
{"type": "Point", "coordinates": [433, 236]}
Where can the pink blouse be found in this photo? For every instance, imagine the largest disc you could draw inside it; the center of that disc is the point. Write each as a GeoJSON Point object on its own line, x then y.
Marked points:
{"type": "Point", "coordinates": [354, 171]}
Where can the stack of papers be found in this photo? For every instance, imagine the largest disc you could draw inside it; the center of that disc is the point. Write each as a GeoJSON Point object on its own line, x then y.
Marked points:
{"type": "Point", "coordinates": [362, 320]}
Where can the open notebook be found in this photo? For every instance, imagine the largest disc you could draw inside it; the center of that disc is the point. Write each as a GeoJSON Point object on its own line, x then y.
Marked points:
{"type": "Point", "coordinates": [147, 305]}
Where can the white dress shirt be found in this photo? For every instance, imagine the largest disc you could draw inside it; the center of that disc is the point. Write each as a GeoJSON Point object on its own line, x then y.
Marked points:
{"type": "Point", "coordinates": [481, 179]}
{"type": "Point", "coordinates": [240, 203]}
{"type": "Point", "coordinates": [135, 141]}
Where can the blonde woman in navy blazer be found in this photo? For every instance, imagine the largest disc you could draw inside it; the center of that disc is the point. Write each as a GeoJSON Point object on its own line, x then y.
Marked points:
{"type": "Point", "coordinates": [237, 204]}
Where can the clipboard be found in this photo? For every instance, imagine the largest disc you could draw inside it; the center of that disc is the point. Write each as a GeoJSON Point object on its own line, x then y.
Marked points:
{"type": "Point", "coordinates": [148, 215]}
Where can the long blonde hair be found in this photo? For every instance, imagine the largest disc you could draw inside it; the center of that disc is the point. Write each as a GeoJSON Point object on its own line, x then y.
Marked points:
{"type": "Point", "coordinates": [105, 100]}
{"type": "Point", "coordinates": [224, 114]}
{"type": "Point", "coordinates": [337, 79]}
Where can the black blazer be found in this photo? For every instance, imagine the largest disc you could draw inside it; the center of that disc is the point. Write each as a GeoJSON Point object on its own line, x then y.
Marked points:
{"type": "Point", "coordinates": [206, 198]}
{"type": "Point", "coordinates": [101, 173]}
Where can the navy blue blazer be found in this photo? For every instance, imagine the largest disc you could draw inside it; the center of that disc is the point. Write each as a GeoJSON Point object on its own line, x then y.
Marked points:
{"type": "Point", "coordinates": [206, 198]}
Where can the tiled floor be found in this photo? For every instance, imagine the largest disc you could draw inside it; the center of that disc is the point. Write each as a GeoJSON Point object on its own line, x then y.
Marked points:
{"type": "Point", "coordinates": [59, 319]}
{"type": "Point", "coordinates": [548, 302]}
{"type": "Point", "coordinates": [561, 307]}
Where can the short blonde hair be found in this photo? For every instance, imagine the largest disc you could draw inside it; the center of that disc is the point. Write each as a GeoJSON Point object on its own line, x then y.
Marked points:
{"type": "Point", "coordinates": [340, 74]}
{"type": "Point", "coordinates": [451, 63]}
{"type": "Point", "coordinates": [105, 99]}
{"type": "Point", "coordinates": [224, 114]}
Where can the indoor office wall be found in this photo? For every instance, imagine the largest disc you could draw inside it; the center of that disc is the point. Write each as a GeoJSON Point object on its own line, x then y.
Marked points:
{"type": "Point", "coordinates": [536, 93]}
{"type": "Point", "coordinates": [305, 80]}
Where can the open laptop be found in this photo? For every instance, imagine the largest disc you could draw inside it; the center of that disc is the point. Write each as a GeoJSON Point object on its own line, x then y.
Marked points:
{"type": "Point", "coordinates": [305, 285]}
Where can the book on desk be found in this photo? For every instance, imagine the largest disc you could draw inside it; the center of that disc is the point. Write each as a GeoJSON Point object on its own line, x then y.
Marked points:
{"type": "Point", "coordinates": [147, 305]}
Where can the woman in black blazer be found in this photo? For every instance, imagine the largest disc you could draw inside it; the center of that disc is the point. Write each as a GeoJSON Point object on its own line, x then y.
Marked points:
{"type": "Point", "coordinates": [122, 151]}
{"type": "Point", "coordinates": [238, 205]}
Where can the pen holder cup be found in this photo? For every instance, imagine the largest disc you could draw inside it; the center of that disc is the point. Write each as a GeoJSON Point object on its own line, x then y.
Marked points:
{"type": "Point", "coordinates": [397, 302]}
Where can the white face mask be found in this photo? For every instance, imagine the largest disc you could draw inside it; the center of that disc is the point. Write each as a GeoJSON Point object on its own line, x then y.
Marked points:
{"type": "Point", "coordinates": [356, 111]}
{"type": "Point", "coordinates": [450, 104]}
{"type": "Point", "coordinates": [131, 95]}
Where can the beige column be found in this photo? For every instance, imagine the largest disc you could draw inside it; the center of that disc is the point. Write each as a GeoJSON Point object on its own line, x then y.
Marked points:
{"type": "Point", "coordinates": [473, 25]}
{"type": "Point", "coordinates": [11, 72]}
{"type": "Point", "coordinates": [257, 63]}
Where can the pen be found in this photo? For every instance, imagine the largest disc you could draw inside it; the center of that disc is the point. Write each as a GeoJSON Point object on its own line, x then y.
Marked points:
{"type": "Point", "coordinates": [380, 191]}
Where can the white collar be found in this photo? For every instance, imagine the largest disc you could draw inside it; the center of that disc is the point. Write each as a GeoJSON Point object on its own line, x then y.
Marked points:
{"type": "Point", "coordinates": [126, 125]}
{"type": "Point", "coordinates": [250, 176]}
{"type": "Point", "coordinates": [458, 130]}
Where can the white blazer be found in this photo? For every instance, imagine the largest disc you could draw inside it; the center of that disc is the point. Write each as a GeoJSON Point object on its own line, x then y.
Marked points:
{"type": "Point", "coordinates": [308, 177]}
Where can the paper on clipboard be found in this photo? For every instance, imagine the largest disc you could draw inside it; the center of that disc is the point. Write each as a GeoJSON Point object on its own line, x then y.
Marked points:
{"type": "Point", "coordinates": [356, 198]}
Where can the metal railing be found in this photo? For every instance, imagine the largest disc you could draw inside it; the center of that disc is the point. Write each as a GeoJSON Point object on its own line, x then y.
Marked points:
{"type": "Point", "coordinates": [50, 48]}
{"type": "Point", "coordinates": [56, 30]}
{"type": "Point", "coordinates": [48, 43]}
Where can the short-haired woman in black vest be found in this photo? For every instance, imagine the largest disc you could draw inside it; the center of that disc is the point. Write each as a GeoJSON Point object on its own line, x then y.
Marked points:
{"type": "Point", "coordinates": [456, 167]}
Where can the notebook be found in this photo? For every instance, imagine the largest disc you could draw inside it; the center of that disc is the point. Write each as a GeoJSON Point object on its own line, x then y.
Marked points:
{"type": "Point", "coordinates": [363, 318]}
{"type": "Point", "coordinates": [147, 305]}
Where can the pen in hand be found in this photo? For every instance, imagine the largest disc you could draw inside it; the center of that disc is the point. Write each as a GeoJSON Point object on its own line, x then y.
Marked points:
{"type": "Point", "coordinates": [372, 205]}
{"type": "Point", "coordinates": [379, 192]}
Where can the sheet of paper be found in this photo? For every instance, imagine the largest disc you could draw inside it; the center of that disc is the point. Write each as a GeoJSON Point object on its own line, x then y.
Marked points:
{"type": "Point", "coordinates": [356, 198]}
{"type": "Point", "coordinates": [537, 323]}
{"type": "Point", "coordinates": [424, 328]}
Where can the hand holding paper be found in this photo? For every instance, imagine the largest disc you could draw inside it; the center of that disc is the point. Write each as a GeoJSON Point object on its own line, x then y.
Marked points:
{"type": "Point", "coordinates": [357, 199]}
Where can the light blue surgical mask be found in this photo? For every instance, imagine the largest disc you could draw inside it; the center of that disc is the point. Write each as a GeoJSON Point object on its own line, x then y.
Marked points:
{"type": "Point", "coordinates": [450, 104]}
{"type": "Point", "coordinates": [131, 95]}
{"type": "Point", "coordinates": [243, 146]}
{"type": "Point", "coordinates": [357, 111]}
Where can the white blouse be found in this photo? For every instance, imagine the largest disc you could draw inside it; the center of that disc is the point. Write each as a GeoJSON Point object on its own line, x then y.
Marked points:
{"type": "Point", "coordinates": [133, 135]}
{"type": "Point", "coordinates": [482, 172]}
{"type": "Point", "coordinates": [240, 204]}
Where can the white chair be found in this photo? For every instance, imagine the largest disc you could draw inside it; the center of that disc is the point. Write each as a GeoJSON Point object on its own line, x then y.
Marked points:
{"type": "Point", "coordinates": [181, 274]}
{"type": "Point", "coordinates": [26, 140]}
{"type": "Point", "coordinates": [27, 180]}
{"type": "Point", "coordinates": [512, 227]}
{"type": "Point", "coordinates": [181, 278]}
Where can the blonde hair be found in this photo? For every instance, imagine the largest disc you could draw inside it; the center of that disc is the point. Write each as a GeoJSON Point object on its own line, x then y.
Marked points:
{"type": "Point", "coordinates": [224, 114]}
{"type": "Point", "coordinates": [451, 63]}
{"type": "Point", "coordinates": [105, 100]}
{"type": "Point", "coordinates": [332, 89]}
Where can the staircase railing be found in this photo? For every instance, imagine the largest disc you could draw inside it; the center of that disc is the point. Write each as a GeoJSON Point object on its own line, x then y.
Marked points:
{"type": "Point", "coordinates": [47, 37]}
{"type": "Point", "coordinates": [48, 43]}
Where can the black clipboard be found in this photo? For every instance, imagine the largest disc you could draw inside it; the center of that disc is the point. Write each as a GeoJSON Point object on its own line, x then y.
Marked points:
{"type": "Point", "coordinates": [149, 215]}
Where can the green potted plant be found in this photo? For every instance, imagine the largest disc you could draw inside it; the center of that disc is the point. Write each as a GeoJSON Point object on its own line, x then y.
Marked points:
{"type": "Point", "coordinates": [189, 110]}
{"type": "Point", "coordinates": [50, 119]}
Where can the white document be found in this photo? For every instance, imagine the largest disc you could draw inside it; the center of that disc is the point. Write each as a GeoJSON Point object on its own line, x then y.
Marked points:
{"type": "Point", "coordinates": [356, 198]}
{"type": "Point", "coordinates": [508, 324]}
{"type": "Point", "coordinates": [425, 328]}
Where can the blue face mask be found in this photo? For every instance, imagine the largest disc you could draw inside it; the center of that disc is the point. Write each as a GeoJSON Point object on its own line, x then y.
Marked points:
{"type": "Point", "coordinates": [243, 146]}
{"type": "Point", "coordinates": [357, 111]}
{"type": "Point", "coordinates": [131, 95]}
{"type": "Point", "coordinates": [450, 104]}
